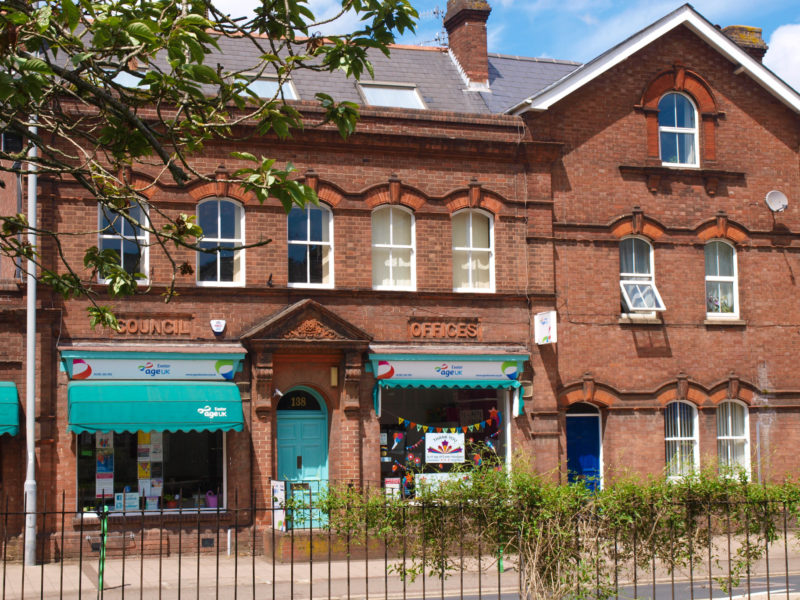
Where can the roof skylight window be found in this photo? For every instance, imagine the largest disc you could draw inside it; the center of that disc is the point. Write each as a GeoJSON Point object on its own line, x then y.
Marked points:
{"type": "Point", "coordinates": [267, 87]}
{"type": "Point", "coordinates": [396, 95]}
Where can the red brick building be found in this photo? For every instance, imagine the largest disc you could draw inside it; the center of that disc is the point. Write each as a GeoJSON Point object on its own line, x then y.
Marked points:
{"type": "Point", "coordinates": [627, 195]}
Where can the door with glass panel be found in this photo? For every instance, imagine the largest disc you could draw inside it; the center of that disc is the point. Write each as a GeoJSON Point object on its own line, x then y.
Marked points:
{"type": "Point", "coordinates": [302, 443]}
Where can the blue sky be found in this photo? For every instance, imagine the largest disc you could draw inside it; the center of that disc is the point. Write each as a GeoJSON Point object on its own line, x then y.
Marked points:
{"type": "Point", "coordinates": [579, 30]}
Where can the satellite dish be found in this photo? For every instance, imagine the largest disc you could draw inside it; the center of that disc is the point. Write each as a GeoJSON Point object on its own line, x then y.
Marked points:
{"type": "Point", "coordinates": [776, 201]}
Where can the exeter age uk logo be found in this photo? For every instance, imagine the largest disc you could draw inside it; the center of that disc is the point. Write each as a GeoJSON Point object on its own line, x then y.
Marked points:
{"type": "Point", "coordinates": [155, 370]}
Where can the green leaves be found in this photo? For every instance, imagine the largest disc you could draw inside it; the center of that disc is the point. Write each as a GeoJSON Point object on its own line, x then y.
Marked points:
{"type": "Point", "coordinates": [118, 88]}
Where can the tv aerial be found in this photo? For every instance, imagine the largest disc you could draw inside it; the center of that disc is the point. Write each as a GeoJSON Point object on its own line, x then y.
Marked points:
{"type": "Point", "coordinates": [776, 201]}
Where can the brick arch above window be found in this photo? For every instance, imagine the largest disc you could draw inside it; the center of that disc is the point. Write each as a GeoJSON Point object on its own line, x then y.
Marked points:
{"type": "Point", "coordinates": [720, 227]}
{"type": "Point", "coordinates": [474, 197]}
{"type": "Point", "coordinates": [637, 224]}
{"type": "Point", "coordinates": [681, 79]}
{"type": "Point", "coordinates": [394, 192]}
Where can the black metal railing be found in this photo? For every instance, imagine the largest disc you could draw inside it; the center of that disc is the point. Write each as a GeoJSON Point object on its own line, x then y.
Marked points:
{"type": "Point", "coordinates": [413, 550]}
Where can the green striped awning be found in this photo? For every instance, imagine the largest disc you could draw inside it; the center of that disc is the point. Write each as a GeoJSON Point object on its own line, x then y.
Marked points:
{"type": "Point", "coordinates": [119, 406]}
{"type": "Point", "coordinates": [9, 408]}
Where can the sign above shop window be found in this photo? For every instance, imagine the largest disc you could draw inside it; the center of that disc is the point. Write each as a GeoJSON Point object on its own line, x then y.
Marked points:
{"type": "Point", "coordinates": [178, 326]}
{"type": "Point", "coordinates": [444, 329]}
{"type": "Point", "coordinates": [222, 368]}
{"type": "Point", "coordinates": [452, 368]}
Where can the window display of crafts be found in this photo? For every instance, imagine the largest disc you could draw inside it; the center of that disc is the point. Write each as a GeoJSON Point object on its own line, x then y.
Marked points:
{"type": "Point", "coordinates": [428, 454]}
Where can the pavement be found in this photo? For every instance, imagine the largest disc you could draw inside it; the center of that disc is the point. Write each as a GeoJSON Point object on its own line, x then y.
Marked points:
{"type": "Point", "coordinates": [211, 576]}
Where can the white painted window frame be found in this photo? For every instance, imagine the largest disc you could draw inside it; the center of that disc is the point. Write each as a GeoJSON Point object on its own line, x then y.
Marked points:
{"type": "Point", "coordinates": [470, 289]}
{"type": "Point", "coordinates": [641, 279]}
{"type": "Point", "coordinates": [723, 279]}
{"type": "Point", "coordinates": [391, 246]}
{"type": "Point", "coordinates": [694, 438]}
{"type": "Point", "coordinates": [219, 240]}
{"type": "Point", "coordinates": [142, 241]}
{"type": "Point", "coordinates": [694, 131]}
{"type": "Point", "coordinates": [744, 437]}
{"type": "Point", "coordinates": [388, 85]}
{"type": "Point", "coordinates": [308, 243]}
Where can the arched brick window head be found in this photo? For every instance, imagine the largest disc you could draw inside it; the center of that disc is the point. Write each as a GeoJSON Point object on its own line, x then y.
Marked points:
{"type": "Point", "coordinates": [679, 82]}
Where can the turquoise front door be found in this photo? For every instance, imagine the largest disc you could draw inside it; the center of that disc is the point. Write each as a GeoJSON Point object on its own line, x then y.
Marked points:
{"type": "Point", "coordinates": [302, 440]}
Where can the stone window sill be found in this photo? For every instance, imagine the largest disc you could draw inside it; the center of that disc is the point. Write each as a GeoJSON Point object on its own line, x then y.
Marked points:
{"type": "Point", "coordinates": [725, 322]}
{"type": "Point", "coordinates": [639, 320]}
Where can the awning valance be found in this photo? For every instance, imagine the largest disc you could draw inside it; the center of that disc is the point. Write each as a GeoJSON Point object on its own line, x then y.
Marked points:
{"type": "Point", "coordinates": [9, 408]}
{"type": "Point", "coordinates": [119, 406]}
{"type": "Point", "coordinates": [473, 384]}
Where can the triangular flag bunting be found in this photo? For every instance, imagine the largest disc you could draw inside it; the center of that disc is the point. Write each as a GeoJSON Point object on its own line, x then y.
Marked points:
{"type": "Point", "coordinates": [452, 430]}
{"type": "Point", "coordinates": [425, 428]}
{"type": "Point", "coordinates": [399, 420]}
{"type": "Point", "coordinates": [471, 428]}
{"type": "Point", "coordinates": [419, 427]}
{"type": "Point", "coordinates": [405, 422]}
{"type": "Point", "coordinates": [464, 429]}
{"type": "Point", "coordinates": [412, 424]}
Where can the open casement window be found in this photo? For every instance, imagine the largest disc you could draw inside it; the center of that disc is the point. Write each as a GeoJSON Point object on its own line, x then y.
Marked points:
{"type": "Point", "coordinates": [125, 237]}
{"type": "Point", "coordinates": [310, 246]}
{"type": "Point", "coordinates": [680, 436]}
{"type": "Point", "coordinates": [722, 292]}
{"type": "Point", "coordinates": [733, 437]}
{"type": "Point", "coordinates": [636, 281]}
{"type": "Point", "coordinates": [473, 252]}
{"type": "Point", "coordinates": [393, 249]}
{"type": "Point", "coordinates": [678, 131]}
{"type": "Point", "coordinates": [223, 230]}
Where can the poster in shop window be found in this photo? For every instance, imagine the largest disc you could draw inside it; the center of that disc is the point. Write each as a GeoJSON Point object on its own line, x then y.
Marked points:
{"type": "Point", "coordinates": [104, 485]}
{"type": "Point", "coordinates": [156, 447]}
{"type": "Point", "coordinates": [278, 503]}
{"type": "Point", "coordinates": [444, 448]}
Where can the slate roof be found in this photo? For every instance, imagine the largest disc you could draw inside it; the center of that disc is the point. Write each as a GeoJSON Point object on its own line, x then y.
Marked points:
{"type": "Point", "coordinates": [514, 78]}
{"type": "Point", "coordinates": [431, 69]}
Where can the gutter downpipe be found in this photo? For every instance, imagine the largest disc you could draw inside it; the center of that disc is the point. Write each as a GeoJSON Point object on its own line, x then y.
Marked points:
{"type": "Point", "coordinates": [30, 368]}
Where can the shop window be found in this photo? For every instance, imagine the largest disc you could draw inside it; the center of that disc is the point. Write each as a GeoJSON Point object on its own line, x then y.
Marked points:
{"type": "Point", "coordinates": [410, 459]}
{"type": "Point", "coordinates": [220, 264]}
{"type": "Point", "coordinates": [636, 278]}
{"type": "Point", "coordinates": [310, 246]}
{"type": "Point", "coordinates": [122, 232]}
{"type": "Point", "coordinates": [680, 435]}
{"type": "Point", "coordinates": [393, 249]}
{"type": "Point", "coordinates": [733, 446]}
{"type": "Point", "coordinates": [677, 130]}
{"type": "Point", "coordinates": [721, 281]}
{"type": "Point", "coordinates": [155, 470]}
{"type": "Point", "coordinates": [473, 252]}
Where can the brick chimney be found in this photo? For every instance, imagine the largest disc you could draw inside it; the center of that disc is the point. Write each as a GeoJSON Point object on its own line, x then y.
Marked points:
{"type": "Point", "coordinates": [465, 22]}
{"type": "Point", "coordinates": [748, 39]}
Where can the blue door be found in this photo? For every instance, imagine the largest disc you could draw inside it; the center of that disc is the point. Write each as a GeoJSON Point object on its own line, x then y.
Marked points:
{"type": "Point", "coordinates": [583, 449]}
{"type": "Point", "coordinates": [302, 443]}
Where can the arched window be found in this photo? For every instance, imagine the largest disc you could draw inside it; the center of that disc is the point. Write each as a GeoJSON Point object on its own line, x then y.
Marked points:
{"type": "Point", "coordinates": [222, 222]}
{"type": "Point", "coordinates": [393, 261]}
{"type": "Point", "coordinates": [473, 251]}
{"type": "Point", "coordinates": [677, 130]}
{"type": "Point", "coordinates": [121, 232]}
{"type": "Point", "coordinates": [636, 277]}
{"type": "Point", "coordinates": [680, 437]}
{"type": "Point", "coordinates": [722, 290]}
{"type": "Point", "coordinates": [733, 436]}
{"type": "Point", "coordinates": [310, 246]}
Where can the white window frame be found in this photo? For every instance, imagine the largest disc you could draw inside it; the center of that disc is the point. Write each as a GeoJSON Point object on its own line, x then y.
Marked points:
{"type": "Point", "coordinates": [640, 279]}
{"type": "Point", "coordinates": [469, 249]}
{"type": "Point", "coordinates": [391, 246]}
{"type": "Point", "coordinates": [308, 243]}
{"type": "Point", "coordinates": [142, 241]}
{"type": "Point", "coordinates": [389, 85]}
{"type": "Point", "coordinates": [220, 240]}
{"type": "Point", "coordinates": [744, 437]}
{"type": "Point", "coordinates": [695, 439]}
{"type": "Point", "coordinates": [694, 131]}
{"type": "Point", "coordinates": [723, 279]}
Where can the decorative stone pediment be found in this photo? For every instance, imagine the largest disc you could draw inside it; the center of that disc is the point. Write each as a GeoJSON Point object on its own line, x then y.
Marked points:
{"type": "Point", "coordinates": [304, 323]}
